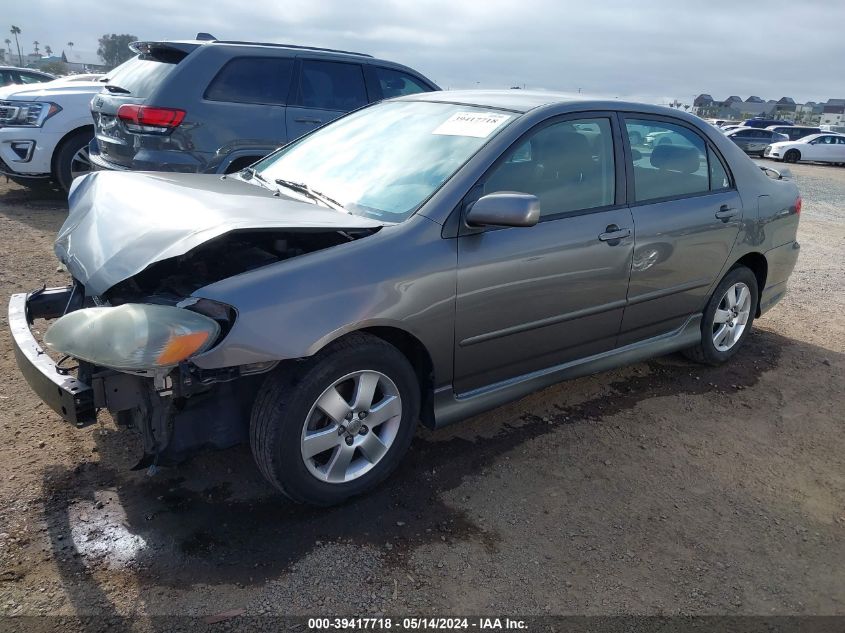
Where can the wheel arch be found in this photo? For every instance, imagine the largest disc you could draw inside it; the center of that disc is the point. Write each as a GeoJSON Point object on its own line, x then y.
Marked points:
{"type": "Point", "coordinates": [417, 354]}
{"type": "Point", "coordinates": [758, 264]}
{"type": "Point", "coordinates": [414, 350]}
{"type": "Point", "coordinates": [65, 139]}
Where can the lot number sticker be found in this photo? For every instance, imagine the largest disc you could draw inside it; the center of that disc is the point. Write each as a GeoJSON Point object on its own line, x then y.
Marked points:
{"type": "Point", "coordinates": [479, 125]}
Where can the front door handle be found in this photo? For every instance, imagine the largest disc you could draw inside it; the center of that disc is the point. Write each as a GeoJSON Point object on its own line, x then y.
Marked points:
{"type": "Point", "coordinates": [725, 213]}
{"type": "Point", "coordinates": [314, 121]}
{"type": "Point", "coordinates": [613, 234]}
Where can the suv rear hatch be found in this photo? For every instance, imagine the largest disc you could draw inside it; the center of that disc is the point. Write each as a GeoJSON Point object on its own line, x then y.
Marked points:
{"type": "Point", "coordinates": [120, 133]}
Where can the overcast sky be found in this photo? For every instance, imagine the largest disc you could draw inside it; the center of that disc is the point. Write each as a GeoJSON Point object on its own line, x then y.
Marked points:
{"type": "Point", "coordinates": [652, 50]}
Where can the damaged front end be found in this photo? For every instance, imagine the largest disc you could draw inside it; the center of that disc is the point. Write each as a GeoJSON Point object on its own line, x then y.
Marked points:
{"type": "Point", "coordinates": [134, 317]}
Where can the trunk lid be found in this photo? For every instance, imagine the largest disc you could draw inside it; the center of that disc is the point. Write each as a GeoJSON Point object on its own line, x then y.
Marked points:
{"type": "Point", "coordinates": [122, 222]}
{"type": "Point", "coordinates": [133, 82]}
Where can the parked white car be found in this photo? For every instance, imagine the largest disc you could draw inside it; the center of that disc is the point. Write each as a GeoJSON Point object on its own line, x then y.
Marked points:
{"type": "Point", "coordinates": [821, 148]}
{"type": "Point", "coordinates": [45, 130]}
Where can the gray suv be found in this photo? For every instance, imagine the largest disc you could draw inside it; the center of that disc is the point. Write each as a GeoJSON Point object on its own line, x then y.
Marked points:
{"type": "Point", "coordinates": [215, 106]}
{"type": "Point", "coordinates": [422, 259]}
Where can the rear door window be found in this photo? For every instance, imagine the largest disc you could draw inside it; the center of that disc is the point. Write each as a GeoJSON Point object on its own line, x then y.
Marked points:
{"type": "Point", "coordinates": [673, 164]}
{"type": "Point", "coordinates": [264, 80]}
{"type": "Point", "coordinates": [332, 85]}
{"type": "Point", "coordinates": [395, 83]}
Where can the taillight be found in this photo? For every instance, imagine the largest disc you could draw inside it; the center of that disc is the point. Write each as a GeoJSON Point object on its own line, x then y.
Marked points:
{"type": "Point", "coordinates": [798, 205]}
{"type": "Point", "coordinates": [149, 120]}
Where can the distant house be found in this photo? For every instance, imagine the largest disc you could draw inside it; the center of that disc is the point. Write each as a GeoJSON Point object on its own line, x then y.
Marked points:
{"type": "Point", "coordinates": [702, 101]}
{"type": "Point", "coordinates": [749, 110]}
{"type": "Point", "coordinates": [833, 112]}
{"type": "Point", "coordinates": [730, 101]}
{"type": "Point", "coordinates": [753, 99]}
{"type": "Point", "coordinates": [83, 61]}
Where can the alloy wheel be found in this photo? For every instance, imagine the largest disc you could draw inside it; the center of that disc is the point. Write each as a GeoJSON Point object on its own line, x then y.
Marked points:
{"type": "Point", "coordinates": [731, 316]}
{"type": "Point", "coordinates": [80, 163]}
{"type": "Point", "coordinates": [351, 426]}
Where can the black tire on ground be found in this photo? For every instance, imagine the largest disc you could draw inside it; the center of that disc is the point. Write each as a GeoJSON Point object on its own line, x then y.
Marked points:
{"type": "Point", "coordinates": [705, 351]}
{"type": "Point", "coordinates": [63, 159]}
{"type": "Point", "coordinates": [792, 156]}
{"type": "Point", "coordinates": [286, 398]}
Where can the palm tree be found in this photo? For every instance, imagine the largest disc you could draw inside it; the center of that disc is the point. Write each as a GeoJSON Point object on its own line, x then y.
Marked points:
{"type": "Point", "coordinates": [35, 43]}
{"type": "Point", "coordinates": [48, 50]}
{"type": "Point", "coordinates": [16, 31]}
{"type": "Point", "coordinates": [9, 46]}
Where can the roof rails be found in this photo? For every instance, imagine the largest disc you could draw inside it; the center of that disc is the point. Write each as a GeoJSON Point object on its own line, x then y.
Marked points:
{"type": "Point", "coordinates": [295, 46]}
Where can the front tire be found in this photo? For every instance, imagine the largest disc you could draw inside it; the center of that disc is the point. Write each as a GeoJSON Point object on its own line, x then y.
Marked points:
{"type": "Point", "coordinates": [71, 159]}
{"type": "Point", "coordinates": [727, 318]}
{"type": "Point", "coordinates": [338, 424]}
{"type": "Point", "coordinates": [792, 156]}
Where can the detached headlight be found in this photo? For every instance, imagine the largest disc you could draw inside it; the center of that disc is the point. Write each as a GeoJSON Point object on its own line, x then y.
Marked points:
{"type": "Point", "coordinates": [133, 336]}
{"type": "Point", "coordinates": [26, 113]}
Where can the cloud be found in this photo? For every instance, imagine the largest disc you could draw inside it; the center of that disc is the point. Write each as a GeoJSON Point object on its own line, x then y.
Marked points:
{"type": "Point", "coordinates": [649, 49]}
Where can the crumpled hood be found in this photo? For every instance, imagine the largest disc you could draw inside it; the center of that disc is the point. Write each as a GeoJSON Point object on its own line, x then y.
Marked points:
{"type": "Point", "coordinates": [122, 222]}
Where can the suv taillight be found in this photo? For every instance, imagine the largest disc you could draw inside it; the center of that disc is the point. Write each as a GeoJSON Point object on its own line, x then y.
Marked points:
{"type": "Point", "coordinates": [149, 120]}
{"type": "Point", "coordinates": [798, 204]}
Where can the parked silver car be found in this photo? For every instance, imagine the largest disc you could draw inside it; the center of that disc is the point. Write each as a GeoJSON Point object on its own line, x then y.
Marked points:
{"type": "Point", "coordinates": [425, 258]}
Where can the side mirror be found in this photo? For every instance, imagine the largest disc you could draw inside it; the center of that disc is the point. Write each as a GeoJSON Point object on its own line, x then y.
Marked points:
{"type": "Point", "coordinates": [505, 208]}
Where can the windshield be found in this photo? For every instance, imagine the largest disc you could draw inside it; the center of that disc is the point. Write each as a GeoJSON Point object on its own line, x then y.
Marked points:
{"type": "Point", "coordinates": [386, 160]}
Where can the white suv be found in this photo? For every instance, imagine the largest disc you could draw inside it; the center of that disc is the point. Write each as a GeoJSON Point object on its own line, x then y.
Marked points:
{"type": "Point", "coordinates": [45, 130]}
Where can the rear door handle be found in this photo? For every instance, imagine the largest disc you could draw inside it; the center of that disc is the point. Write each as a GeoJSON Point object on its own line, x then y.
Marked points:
{"type": "Point", "coordinates": [725, 213]}
{"type": "Point", "coordinates": [614, 233]}
{"type": "Point", "coordinates": [315, 121]}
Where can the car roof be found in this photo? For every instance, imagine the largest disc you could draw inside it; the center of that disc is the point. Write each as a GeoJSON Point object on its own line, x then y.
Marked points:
{"type": "Point", "coordinates": [813, 136]}
{"type": "Point", "coordinates": [524, 100]}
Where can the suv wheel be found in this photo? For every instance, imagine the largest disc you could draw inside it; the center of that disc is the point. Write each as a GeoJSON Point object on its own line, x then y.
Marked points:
{"type": "Point", "coordinates": [727, 318]}
{"type": "Point", "coordinates": [338, 425]}
{"type": "Point", "coordinates": [71, 159]}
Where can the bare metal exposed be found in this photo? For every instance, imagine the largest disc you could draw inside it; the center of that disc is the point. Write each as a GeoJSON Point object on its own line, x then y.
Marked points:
{"type": "Point", "coordinates": [426, 258]}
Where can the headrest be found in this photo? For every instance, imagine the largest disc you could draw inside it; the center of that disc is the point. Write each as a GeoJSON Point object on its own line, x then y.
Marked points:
{"type": "Point", "coordinates": [562, 144]}
{"type": "Point", "coordinates": [683, 159]}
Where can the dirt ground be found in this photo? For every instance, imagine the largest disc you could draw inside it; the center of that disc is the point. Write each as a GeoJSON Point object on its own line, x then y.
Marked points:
{"type": "Point", "coordinates": [659, 488]}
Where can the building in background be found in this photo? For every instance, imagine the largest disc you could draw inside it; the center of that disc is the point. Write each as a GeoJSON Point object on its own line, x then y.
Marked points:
{"type": "Point", "coordinates": [83, 62]}
{"type": "Point", "coordinates": [831, 112]}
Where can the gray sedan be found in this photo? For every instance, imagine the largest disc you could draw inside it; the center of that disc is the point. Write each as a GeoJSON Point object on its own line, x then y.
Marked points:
{"type": "Point", "coordinates": [422, 259]}
{"type": "Point", "coordinates": [753, 140]}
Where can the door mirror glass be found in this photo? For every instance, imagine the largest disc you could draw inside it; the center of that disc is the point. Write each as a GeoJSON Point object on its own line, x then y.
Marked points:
{"type": "Point", "coordinates": [505, 208]}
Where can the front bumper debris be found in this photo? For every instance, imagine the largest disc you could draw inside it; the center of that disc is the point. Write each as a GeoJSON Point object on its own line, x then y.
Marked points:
{"type": "Point", "coordinates": [71, 398]}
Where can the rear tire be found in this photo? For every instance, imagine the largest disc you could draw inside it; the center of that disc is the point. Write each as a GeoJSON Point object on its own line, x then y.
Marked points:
{"type": "Point", "coordinates": [792, 156]}
{"type": "Point", "coordinates": [348, 457]}
{"type": "Point", "coordinates": [71, 158]}
{"type": "Point", "coordinates": [727, 318]}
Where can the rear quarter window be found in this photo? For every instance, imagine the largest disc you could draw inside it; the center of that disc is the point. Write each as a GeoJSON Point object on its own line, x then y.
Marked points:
{"type": "Point", "coordinates": [395, 83]}
{"type": "Point", "coordinates": [261, 80]}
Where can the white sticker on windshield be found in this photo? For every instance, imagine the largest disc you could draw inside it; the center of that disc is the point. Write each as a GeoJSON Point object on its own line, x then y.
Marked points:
{"type": "Point", "coordinates": [477, 124]}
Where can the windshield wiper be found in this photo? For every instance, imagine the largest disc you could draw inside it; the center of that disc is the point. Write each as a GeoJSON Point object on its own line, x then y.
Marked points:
{"type": "Point", "coordinates": [305, 190]}
{"type": "Point", "coordinates": [248, 173]}
{"type": "Point", "coordinates": [117, 89]}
